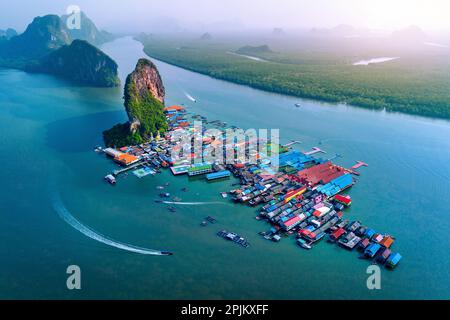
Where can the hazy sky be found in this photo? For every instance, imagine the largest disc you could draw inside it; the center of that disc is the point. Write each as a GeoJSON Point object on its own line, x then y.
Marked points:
{"type": "Point", "coordinates": [145, 15]}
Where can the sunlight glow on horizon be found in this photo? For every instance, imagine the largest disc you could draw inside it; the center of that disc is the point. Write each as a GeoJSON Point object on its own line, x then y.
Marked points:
{"type": "Point", "coordinates": [142, 15]}
{"type": "Point", "coordinates": [386, 14]}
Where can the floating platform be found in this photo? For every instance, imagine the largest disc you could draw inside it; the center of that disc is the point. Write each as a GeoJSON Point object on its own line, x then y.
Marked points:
{"type": "Point", "coordinates": [199, 169]}
{"type": "Point", "coordinates": [110, 179]}
{"type": "Point", "coordinates": [179, 170]}
{"type": "Point", "coordinates": [218, 175]}
{"type": "Point", "coordinates": [393, 260]}
{"type": "Point", "coordinates": [143, 172]}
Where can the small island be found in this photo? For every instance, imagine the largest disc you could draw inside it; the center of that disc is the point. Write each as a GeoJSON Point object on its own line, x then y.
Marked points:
{"type": "Point", "coordinates": [144, 95]}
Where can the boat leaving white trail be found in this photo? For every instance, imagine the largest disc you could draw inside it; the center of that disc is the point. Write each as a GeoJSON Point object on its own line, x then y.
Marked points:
{"type": "Point", "coordinates": [190, 97]}
{"type": "Point", "coordinates": [88, 232]}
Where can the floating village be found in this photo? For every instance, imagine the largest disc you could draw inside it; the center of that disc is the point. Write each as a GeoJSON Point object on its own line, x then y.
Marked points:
{"type": "Point", "coordinates": [302, 197]}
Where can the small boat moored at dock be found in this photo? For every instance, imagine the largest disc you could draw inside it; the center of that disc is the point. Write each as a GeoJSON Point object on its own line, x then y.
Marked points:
{"type": "Point", "coordinates": [210, 219]}
{"type": "Point", "coordinates": [364, 244]}
{"type": "Point", "coordinates": [276, 238]}
{"type": "Point", "coordinates": [110, 179]}
{"type": "Point", "coordinates": [372, 250]}
{"type": "Point", "coordinates": [344, 200]}
{"type": "Point", "coordinates": [382, 257]}
{"type": "Point", "coordinates": [393, 260]}
{"type": "Point", "coordinates": [304, 244]}
{"type": "Point", "coordinates": [336, 235]}
{"type": "Point", "coordinates": [98, 149]}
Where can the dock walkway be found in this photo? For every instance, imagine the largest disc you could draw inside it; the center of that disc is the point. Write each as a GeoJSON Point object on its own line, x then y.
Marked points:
{"type": "Point", "coordinates": [134, 166]}
{"type": "Point", "coordinates": [314, 151]}
{"type": "Point", "coordinates": [290, 144]}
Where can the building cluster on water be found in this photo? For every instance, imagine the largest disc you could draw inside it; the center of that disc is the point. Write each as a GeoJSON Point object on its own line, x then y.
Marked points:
{"type": "Point", "coordinates": [301, 196]}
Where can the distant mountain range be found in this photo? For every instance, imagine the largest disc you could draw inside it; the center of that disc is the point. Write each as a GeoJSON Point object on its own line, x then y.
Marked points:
{"type": "Point", "coordinates": [89, 31]}
{"type": "Point", "coordinates": [47, 45]}
{"type": "Point", "coordinates": [7, 34]}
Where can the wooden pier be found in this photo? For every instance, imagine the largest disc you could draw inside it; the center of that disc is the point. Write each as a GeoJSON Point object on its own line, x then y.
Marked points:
{"type": "Point", "coordinates": [290, 144]}
{"type": "Point", "coordinates": [359, 164]}
{"type": "Point", "coordinates": [134, 166]}
{"type": "Point", "coordinates": [314, 151]}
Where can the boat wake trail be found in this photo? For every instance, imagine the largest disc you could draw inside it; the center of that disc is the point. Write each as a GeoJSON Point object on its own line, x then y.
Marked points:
{"type": "Point", "coordinates": [71, 220]}
{"type": "Point", "coordinates": [196, 203]}
{"type": "Point", "coordinates": [190, 97]}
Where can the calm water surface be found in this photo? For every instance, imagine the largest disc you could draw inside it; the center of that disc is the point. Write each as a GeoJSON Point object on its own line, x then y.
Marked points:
{"type": "Point", "coordinates": [47, 134]}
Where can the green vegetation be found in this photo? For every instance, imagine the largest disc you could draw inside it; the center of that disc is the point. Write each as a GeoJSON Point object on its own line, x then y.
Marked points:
{"type": "Point", "coordinates": [143, 94]}
{"type": "Point", "coordinates": [42, 36]}
{"type": "Point", "coordinates": [417, 83]}
{"type": "Point", "coordinates": [7, 34]}
{"type": "Point", "coordinates": [120, 135]}
{"type": "Point", "coordinates": [254, 50]}
{"type": "Point", "coordinates": [82, 63]}
{"type": "Point", "coordinates": [146, 109]}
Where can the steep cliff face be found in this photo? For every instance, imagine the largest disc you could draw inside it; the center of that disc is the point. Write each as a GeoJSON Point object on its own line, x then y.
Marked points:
{"type": "Point", "coordinates": [144, 98]}
{"type": "Point", "coordinates": [82, 63]}
{"type": "Point", "coordinates": [146, 79]}
{"type": "Point", "coordinates": [144, 103]}
{"type": "Point", "coordinates": [41, 37]}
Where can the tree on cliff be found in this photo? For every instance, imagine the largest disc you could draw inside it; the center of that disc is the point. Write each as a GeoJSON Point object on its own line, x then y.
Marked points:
{"type": "Point", "coordinates": [144, 95]}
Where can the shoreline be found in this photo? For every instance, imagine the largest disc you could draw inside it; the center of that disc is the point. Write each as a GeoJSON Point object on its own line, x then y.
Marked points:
{"type": "Point", "coordinates": [295, 95]}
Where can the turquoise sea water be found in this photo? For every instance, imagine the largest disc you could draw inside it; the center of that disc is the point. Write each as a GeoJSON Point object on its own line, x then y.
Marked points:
{"type": "Point", "coordinates": [48, 129]}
